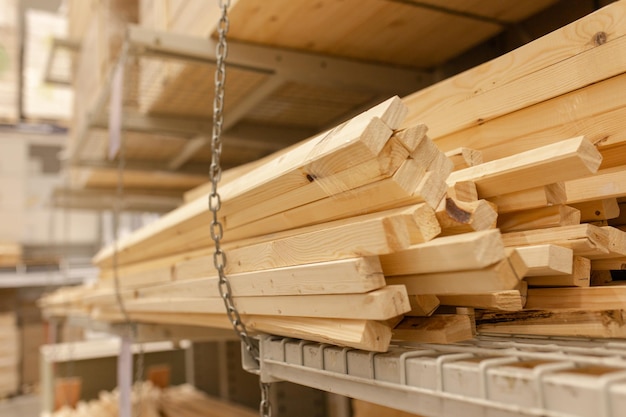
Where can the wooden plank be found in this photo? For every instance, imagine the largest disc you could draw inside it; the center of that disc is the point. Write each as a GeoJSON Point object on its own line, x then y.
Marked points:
{"type": "Point", "coordinates": [456, 217]}
{"type": "Point", "coordinates": [504, 275]}
{"type": "Point", "coordinates": [357, 275]}
{"type": "Point", "coordinates": [584, 239]}
{"type": "Point", "coordinates": [463, 191]}
{"type": "Point", "coordinates": [590, 298]}
{"type": "Point", "coordinates": [349, 144]}
{"type": "Point", "coordinates": [532, 198]}
{"type": "Point", "coordinates": [596, 111]}
{"type": "Point", "coordinates": [464, 157]}
{"type": "Point", "coordinates": [422, 305]}
{"type": "Point", "coordinates": [606, 183]}
{"type": "Point", "coordinates": [382, 304]}
{"type": "Point", "coordinates": [358, 334]}
{"type": "Point", "coordinates": [592, 211]}
{"type": "Point", "coordinates": [451, 253]}
{"type": "Point", "coordinates": [561, 161]}
{"type": "Point", "coordinates": [617, 242]}
{"type": "Point", "coordinates": [621, 219]}
{"type": "Point", "coordinates": [609, 264]}
{"type": "Point", "coordinates": [508, 300]}
{"type": "Point", "coordinates": [539, 218]}
{"type": "Point", "coordinates": [580, 276]}
{"type": "Point", "coordinates": [391, 157]}
{"type": "Point", "coordinates": [373, 234]}
{"type": "Point", "coordinates": [547, 259]}
{"type": "Point", "coordinates": [439, 328]}
{"type": "Point", "coordinates": [592, 324]}
{"type": "Point", "coordinates": [531, 74]}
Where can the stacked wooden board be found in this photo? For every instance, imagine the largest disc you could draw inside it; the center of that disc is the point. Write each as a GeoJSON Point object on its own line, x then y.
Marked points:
{"type": "Point", "coordinates": [150, 401]}
{"type": "Point", "coordinates": [9, 354]}
{"type": "Point", "coordinates": [10, 254]}
{"type": "Point", "coordinates": [363, 235]}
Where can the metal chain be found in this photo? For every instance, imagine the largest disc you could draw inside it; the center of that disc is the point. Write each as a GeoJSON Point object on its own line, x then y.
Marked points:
{"type": "Point", "coordinates": [215, 202]}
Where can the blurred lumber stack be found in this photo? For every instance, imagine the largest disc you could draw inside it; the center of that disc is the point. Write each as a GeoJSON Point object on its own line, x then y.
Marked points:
{"type": "Point", "coordinates": [9, 356]}
{"type": "Point", "coordinates": [9, 61]}
{"type": "Point", "coordinates": [10, 254]}
{"type": "Point", "coordinates": [150, 401]}
{"type": "Point", "coordinates": [363, 234]}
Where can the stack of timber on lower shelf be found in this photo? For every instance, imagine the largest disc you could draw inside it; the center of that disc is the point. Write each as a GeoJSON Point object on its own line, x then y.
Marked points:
{"type": "Point", "coordinates": [9, 348]}
{"type": "Point", "coordinates": [150, 401]}
{"type": "Point", "coordinates": [363, 235]}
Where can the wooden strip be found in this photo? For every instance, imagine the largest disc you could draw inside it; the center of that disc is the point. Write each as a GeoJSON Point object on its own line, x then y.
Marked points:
{"type": "Point", "coordinates": [497, 277]}
{"type": "Point", "coordinates": [452, 253]}
{"type": "Point", "coordinates": [539, 218]}
{"type": "Point", "coordinates": [518, 79]}
{"type": "Point", "coordinates": [373, 234]}
{"type": "Point", "coordinates": [383, 166]}
{"type": "Point", "coordinates": [509, 300]}
{"type": "Point", "coordinates": [344, 276]}
{"type": "Point", "coordinates": [464, 157]}
{"type": "Point", "coordinates": [463, 191]}
{"type": "Point", "coordinates": [545, 260]}
{"type": "Point", "coordinates": [561, 161]}
{"type": "Point", "coordinates": [358, 334]}
{"type": "Point", "coordinates": [381, 304]}
{"type": "Point", "coordinates": [602, 324]}
{"type": "Point", "coordinates": [440, 328]}
{"type": "Point", "coordinates": [580, 276]}
{"type": "Point", "coordinates": [422, 305]}
{"type": "Point", "coordinates": [596, 111]}
{"type": "Point", "coordinates": [620, 220]}
{"type": "Point", "coordinates": [343, 147]}
{"type": "Point", "coordinates": [617, 243]}
{"type": "Point", "coordinates": [592, 211]}
{"type": "Point", "coordinates": [456, 217]}
{"type": "Point", "coordinates": [607, 183]}
{"type": "Point", "coordinates": [584, 239]}
{"type": "Point", "coordinates": [610, 264]}
{"type": "Point", "coordinates": [532, 198]}
{"type": "Point", "coordinates": [396, 191]}
{"type": "Point", "coordinates": [591, 298]}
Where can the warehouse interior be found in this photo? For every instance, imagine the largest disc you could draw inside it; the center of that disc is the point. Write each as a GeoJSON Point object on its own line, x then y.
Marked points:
{"type": "Point", "coordinates": [312, 208]}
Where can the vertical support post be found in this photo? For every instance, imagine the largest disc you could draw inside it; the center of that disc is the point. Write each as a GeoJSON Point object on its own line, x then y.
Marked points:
{"type": "Point", "coordinates": [125, 375]}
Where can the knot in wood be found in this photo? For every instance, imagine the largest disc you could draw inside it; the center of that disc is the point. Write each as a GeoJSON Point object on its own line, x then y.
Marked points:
{"type": "Point", "coordinates": [599, 38]}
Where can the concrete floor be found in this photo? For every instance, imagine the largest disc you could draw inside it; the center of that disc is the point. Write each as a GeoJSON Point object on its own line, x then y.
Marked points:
{"type": "Point", "coordinates": [23, 406]}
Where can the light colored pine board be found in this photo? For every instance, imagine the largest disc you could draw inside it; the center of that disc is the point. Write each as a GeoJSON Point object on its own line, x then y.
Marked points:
{"type": "Point", "coordinates": [536, 72]}
{"type": "Point", "coordinates": [532, 198]}
{"type": "Point", "coordinates": [584, 239]}
{"type": "Point", "coordinates": [345, 276]}
{"type": "Point", "coordinates": [592, 324]}
{"type": "Point", "coordinates": [592, 211]}
{"type": "Point", "coordinates": [561, 161]}
{"type": "Point", "coordinates": [374, 234]}
{"type": "Point", "coordinates": [464, 157]}
{"type": "Point", "coordinates": [456, 217]}
{"type": "Point", "coordinates": [391, 157]}
{"type": "Point", "coordinates": [382, 304]}
{"type": "Point", "coordinates": [396, 191]}
{"type": "Point", "coordinates": [539, 218]}
{"type": "Point", "coordinates": [617, 242]}
{"type": "Point", "coordinates": [451, 253]}
{"type": "Point", "coordinates": [580, 276]}
{"type": "Point", "coordinates": [439, 328]}
{"type": "Point", "coordinates": [358, 334]}
{"type": "Point", "coordinates": [504, 275]}
{"type": "Point", "coordinates": [422, 305]}
{"type": "Point", "coordinates": [591, 298]}
{"type": "Point", "coordinates": [596, 111]}
{"type": "Point", "coordinates": [463, 191]}
{"type": "Point", "coordinates": [358, 140]}
{"type": "Point", "coordinates": [609, 264]}
{"type": "Point", "coordinates": [606, 183]}
{"type": "Point", "coordinates": [509, 300]}
{"type": "Point", "coordinates": [547, 259]}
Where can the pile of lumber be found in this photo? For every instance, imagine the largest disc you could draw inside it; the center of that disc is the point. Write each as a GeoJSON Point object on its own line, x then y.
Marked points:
{"type": "Point", "coordinates": [9, 355]}
{"type": "Point", "coordinates": [150, 401]}
{"type": "Point", "coordinates": [10, 254]}
{"type": "Point", "coordinates": [375, 231]}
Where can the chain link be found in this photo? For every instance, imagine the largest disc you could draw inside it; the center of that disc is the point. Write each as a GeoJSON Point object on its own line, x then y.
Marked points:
{"type": "Point", "coordinates": [215, 202]}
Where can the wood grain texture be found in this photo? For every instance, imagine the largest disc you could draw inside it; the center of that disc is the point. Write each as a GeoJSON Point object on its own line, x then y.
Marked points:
{"type": "Point", "coordinates": [591, 298]}
{"type": "Point", "coordinates": [539, 218]}
{"type": "Point", "coordinates": [580, 276]}
{"type": "Point", "coordinates": [531, 198]}
{"type": "Point", "coordinates": [547, 259]}
{"type": "Point", "coordinates": [439, 328]}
